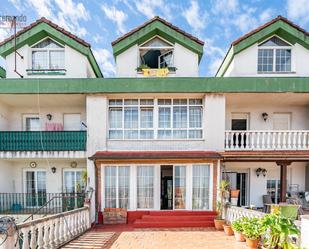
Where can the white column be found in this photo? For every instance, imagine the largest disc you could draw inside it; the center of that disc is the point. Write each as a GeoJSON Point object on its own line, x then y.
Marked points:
{"type": "Point", "coordinates": [214, 122]}
{"type": "Point", "coordinates": [96, 137]}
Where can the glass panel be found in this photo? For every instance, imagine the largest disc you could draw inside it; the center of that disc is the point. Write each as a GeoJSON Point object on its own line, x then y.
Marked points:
{"type": "Point", "coordinates": [195, 117]}
{"type": "Point", "coordinates": [195, 134]}
{"type": "Point", "coordinates": [283, 60]}
{"type": "Point", "coordinates": [131, 117]}
{"type": "Point", "coordinates": [146, 134]}
{"type": "Point", "coordinates": [146, 101]}
{"type": "Point", "coordinates": [56, 59]}
{"type": "Point", "coordinates": [164, 117]}
{"type": "Point", "coordinates": [179, 102]}
{"type": "Point", "coordinates": [164, 134]}
{"type": "Point", "coordinates": [274, 41]}
{"type": "Point", "coordinates": [115, 134]}
{"type": "Point", "coordinates": [265, 60]}
{"type": "Point", "coordinates": [166, 60]}
{"type": "Point", "coordinates": [123, 186]}
{"type": "Point", "coordinates": [195, 101]}
{"type": "Point", "coordinates": [117, 102]}
{"type": "Point", "coordinates": [41, 187]}
{"type": "Point", "coordinates": [115, 117]}
{"type": "Point", "coordinates": [145, 187]}
{"type": "Point", "coordinates": [180, 187]}
{"type": "Point", "coordinates": [180, 134]}
{"type": "Point", "coordinates": [32, 124]}
{"type": "Point", "coordinates": [39, 60]}
{"type": "Point", "coordinates": [200, 188]}
{"type": "Point", "coordinates": [110, 186]}
{"type": "Point", "coordinates": [156, 42]}
{"type": "Point", "coordinates": [180, 117]}
{"type": "Point", "coordinates": [164, 101]}
{"type": "Point", "coordinates": [31, 189]}
{"type": "Point", "coordinates": [47, 43]}
{"type": "Point", "coordinates": [69, 182]}
{"type": "Point", "coordinates": [131, 102]}
{"type": "Point", "coordinates": [130, 134]}
{"type": "Point", "coordinates": [146, 118]}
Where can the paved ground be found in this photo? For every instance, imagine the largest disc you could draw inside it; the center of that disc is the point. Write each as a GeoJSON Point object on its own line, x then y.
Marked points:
{"type": "Point", "coordinates": [184, 238]}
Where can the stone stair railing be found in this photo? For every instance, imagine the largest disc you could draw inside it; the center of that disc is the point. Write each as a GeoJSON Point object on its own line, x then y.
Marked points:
{"type": "Point", "coordinates": [49, 232]}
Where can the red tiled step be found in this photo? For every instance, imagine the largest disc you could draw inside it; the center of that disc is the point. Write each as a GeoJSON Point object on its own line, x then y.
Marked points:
{"type": "Point", "coordinates": [182, 213]}
{"type": "Point", "coordinates": [178, 218]}
{"type": "Point", "coordinates": [171, 224]}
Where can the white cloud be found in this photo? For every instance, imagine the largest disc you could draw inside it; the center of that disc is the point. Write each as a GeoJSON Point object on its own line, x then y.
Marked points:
{"type": "Point", "coordinates": [116, 16]}
{"type": "Point", "coordinates": [225, 6]}
{"type": "Point", "coordinates": [298, 10]}
{"type": "Point", "coordinates": [97, 38]}
{"type": "Point", "coordinates": [42, 7]}
{"type": "Point", "coordinates": [194, 17]}
{"type": "Point", "coordinates": [214, 55]}
{"type": "Point", "coordinates": [106, 61]}
{"type": "Point", "coordinates": [151, 8]}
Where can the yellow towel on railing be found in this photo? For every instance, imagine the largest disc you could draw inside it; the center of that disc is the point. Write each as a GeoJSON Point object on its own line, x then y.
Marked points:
{"type": "Point", "coordinates": [160, 72]}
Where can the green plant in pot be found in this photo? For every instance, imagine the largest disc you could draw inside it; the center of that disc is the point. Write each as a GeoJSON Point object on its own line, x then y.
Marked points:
{"type": "Point", "coordinates": [223, 193]}
{"type": "Point", "coordinates": [279, 231]}
{"type": "Point", "coordinates": [228, 229]}
{"type": "Point", "coordinates": [252, 230]}
{"type": "Point", "coordinates": [238, 228]}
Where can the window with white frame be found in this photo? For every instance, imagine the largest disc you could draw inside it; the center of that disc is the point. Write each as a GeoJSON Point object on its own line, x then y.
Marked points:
{"type": "Point", "coordinates": [274, 55]}
{"type": "Point", "coordinates": [200, 187]}
{"type": "Point", "coordinates": [174, 118]}
{"type": "Point", "coordinates": [47, 55]}
{"type": "Point", "coordinates": [117, 186]}
{"type": "Point", "coordinates": [180, 118]}
{"type": "Point", "coordinates": [145, 187]}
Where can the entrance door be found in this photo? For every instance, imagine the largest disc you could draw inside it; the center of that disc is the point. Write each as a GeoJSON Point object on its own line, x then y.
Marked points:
{"type": "Point", "coordinates": [238, 181]}
{"type": "Point", "coordinates": [166, 187]}
{"type": "Point", "coordinates": [35, 186]}
{"type": "Point", "coordinates": [239, 123]}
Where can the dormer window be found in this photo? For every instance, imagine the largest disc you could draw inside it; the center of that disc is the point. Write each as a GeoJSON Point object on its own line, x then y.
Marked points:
{"type": "Point", "coordinates": [47, 56]}
{"type": "Point", "coordinates": [274, 56]}
{"type": "Point", "coordinates": [156, 53]}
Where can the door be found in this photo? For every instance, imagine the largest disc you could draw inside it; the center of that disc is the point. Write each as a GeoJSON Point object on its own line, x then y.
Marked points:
{"type": "Point", "coordinates": [31, 122]}
{"type": "Point", "coordinates": [72, 122]}
{"type": "Point", "coordinates": [239, 122]}
{"type": "Point", "coordinates": [73, 187]}
{"type": "Point", "coordinates": [35, 186]}
{"type": "Point", "coordinates": [282, 121]}
{"type": "Point", "coordinates": [273, 189]}
{"type": "Point", "coordinates": [166, 187]}
{"type": "Point", "coordinates": [180, 187]}
{"type": "Point", "coordinates": [238, 181]}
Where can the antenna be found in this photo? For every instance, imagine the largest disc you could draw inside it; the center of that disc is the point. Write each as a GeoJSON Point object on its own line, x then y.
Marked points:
{"type": "Point", "coordinates": [13, 25]}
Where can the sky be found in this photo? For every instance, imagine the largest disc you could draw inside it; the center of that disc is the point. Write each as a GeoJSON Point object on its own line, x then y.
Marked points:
{"type": "Point", "coordinates": [216, 22]}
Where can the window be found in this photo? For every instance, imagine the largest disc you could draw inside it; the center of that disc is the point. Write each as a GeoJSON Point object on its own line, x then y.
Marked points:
{"type": "Point", "coordinates": [35, 186]}
{"type": "Point", "coordinates": [180, 187]}
{"type": "Point", "coordinates": [31, 122]}
{"type": "Point", "coordinates": [274, 55]}
{"type": "Point", "coordinates": [73, 182]}
{"type": "Point", "coordinates": [200, 188]}
{"type": "Point", "coordinates": [145, 187]}
{"type": "Point", "coordinates": [273, 189]}
{"type": "Point", "coordinates": [131, 119]}
{"type": "Point", "coordinates": [180, 118]}
{"type": "Point", "coordinates": [47, 55]}
{"type": "Point", "coordinates": [175, 118]}
{"type": "Point", "coordinates": [157, 53]}
{"type": "Point", "coordinates": [117, 186]}
{"type": "Point", "coordinates": [282, 121]}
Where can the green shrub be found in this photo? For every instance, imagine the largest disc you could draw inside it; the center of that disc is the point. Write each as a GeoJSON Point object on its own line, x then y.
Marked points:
{"type": "Point", "coordinates": [238, 225]}
{"type": "Point", "coordinates": [253, 229]}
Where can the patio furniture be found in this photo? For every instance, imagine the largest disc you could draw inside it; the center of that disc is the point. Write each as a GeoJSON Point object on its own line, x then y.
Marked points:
{"type": "Point", "coordinates": [267, 202]}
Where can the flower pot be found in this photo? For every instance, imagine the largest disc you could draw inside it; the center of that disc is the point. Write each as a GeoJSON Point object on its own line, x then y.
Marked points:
{"type": "Point", "coordinates": [228, 230]}
{"type": "Point", "coordinates": [239, 237]}
{"type": "Point", "coordinates": [252, 243]}
{"type": "Point", "coordinates": [219, 224]}
{"type": "Point", "coordinates": [235, 193]}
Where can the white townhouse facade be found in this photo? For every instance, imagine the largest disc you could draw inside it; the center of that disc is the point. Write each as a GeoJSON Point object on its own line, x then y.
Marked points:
{"type": "Point", "coordinates": [156, 137]}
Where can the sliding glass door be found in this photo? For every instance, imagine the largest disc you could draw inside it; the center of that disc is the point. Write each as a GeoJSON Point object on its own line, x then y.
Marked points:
{"type": "Point", "coordinates": [35, 184]}
{"type": "Point", "coordinates": [200, 187]}
{"type": "Point", "coordinates": [180, 187]}
{"type": "Point", "coordinates": [145, 187]}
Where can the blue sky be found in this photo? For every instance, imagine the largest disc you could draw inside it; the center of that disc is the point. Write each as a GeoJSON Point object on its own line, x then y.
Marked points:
{"type": "Point", "coordinates": [217, 22]}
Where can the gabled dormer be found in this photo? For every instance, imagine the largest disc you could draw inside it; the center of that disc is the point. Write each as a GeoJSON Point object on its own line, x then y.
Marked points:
{"type": "Point", "coordinates": [44, 49]}
{"type": "Point", "coordinates": [155, 49]}
{"type": "Point", "coordinates": [277, 48]}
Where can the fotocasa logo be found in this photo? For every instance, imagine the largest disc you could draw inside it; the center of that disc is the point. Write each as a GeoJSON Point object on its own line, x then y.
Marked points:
{"type": "Point", "coordinates": [8, 21]}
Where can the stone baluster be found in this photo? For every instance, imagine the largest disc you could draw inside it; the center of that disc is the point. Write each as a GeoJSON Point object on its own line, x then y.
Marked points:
{"type": "Point", "coordinates": [56, 232]}
{"type": "Point", "coordinates": [242, 140]}
{"type": "Point", "coordinates": [284, 141]}
{"type": "Point", "coordinates": [64, 229]}
{"type": "Point", "coordinates": [25, 233]}
{"type": "Point", "coordinates": [273, 144]}
{"type": "Point", "coordinates": [289, 140]}
{"type": "Point", "coordinates": [33, 240]}
{"type": "Point", "coordinates": [46, 235]}
{"type": "Point", "coordinates": [40, 240]}
{"type": "Point", "coordinates": [268, 139]}
{"type": "Point", "coordinates": [74, 223]}
{"type": "Point", "coordinates": [294, 139]}
{"type": "Point", "coordinates": [304, 140]}
{"type": "Point", "coordinates": [279, 144]}
{"type": "Point", "coordinates": [51, 234]}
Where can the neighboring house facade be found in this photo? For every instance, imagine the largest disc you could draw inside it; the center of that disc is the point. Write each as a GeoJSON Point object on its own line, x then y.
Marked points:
{"type": "Point", "coordinates": [156, 137]}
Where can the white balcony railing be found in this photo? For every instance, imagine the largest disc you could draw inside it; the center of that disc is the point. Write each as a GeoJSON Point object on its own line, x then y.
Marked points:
{"type": "Point", "coordinates": [49, 232]}
{"type": "Point", "coordinates": [267, 140]}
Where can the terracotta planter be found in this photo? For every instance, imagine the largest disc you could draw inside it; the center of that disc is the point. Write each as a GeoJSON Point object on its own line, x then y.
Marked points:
{"type": "Point", "coordinates": [239, 237]}
{"type": "Point", "coordinates": [252, 243]}
{"type": "Point", "coordinates": [219, 224]}
{"type": "Point", "coordinates": [228, 230]}
{"type": "Point", "coordinates": [235, 193]}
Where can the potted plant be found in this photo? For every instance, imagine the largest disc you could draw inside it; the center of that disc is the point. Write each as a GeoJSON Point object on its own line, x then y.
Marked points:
{"type": "Point", "coordinates": [279, 231]}
{"type": "Point", "coordinates": [237, 226]}
{"type": "Point", "coordinates": [228, 229]}
{"type": "Point", "coordinates": [223, 193]}
{"type": "Point", "coordinates": [253, 229]}
{"type": "Point", "coordinates": [234, 196]}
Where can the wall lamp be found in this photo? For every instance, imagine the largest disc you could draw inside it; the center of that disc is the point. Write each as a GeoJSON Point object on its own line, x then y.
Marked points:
{"type": "Point", "coordinates": [260, 171]}
{"type": "Point", "coordinates": [49, 116]}
{"type": "Point", "coordinates": [53, 169]}
{"type": "Point", "coordinates": [265, 116]}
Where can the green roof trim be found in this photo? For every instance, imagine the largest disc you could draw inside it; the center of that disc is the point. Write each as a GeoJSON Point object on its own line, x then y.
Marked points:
{"type": "Point", "coordinates": [2, 72]}
{"type": "Point", "coordinates": [156, 85]}
{"type": "Point", "coordinates": [280, 27]}
{"type": "Point", "coordinates": [157, 28]}
{"type": "Point", "coordinates": [41, 30]}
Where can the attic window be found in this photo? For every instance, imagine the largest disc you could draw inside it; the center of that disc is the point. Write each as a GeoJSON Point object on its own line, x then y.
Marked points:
{"type": "Point", "coordinates": [156, 53]}
{"type": "Point", "coordinates": [47, 56]}
{"type": "Point", "coordinates": [274, 56]}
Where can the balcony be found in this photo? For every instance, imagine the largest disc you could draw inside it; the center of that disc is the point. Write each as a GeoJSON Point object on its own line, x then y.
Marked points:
{"type": "Point", "coordinates": [267, 140]}
{"type": "Point", "coordinates": [43, 140]}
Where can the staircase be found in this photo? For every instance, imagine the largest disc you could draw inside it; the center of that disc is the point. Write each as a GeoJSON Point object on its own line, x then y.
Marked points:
{"type": "Point", "coordinates": [176, 219]}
